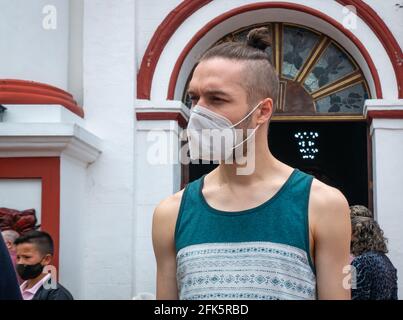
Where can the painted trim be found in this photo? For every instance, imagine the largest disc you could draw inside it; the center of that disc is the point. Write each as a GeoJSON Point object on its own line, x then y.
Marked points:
{"type": "Point", "coordinates": [177, 116]}
{"type": "Point", "coordinates": [381, 30]}
{"type": "Point", "coordinates": [384, 114]}
{"type": "Point", "coordinates": [48, 170]}
{"type": "Point", "coordinates": [14, 91]}
{"type": "Point", "coordinates": [265, 5]}
{"type": "Point", "coordinates": [158, 42]}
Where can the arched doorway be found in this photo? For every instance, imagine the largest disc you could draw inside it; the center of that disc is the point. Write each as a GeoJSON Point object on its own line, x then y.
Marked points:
{"type": "Point", "coordinates": [318, 125]}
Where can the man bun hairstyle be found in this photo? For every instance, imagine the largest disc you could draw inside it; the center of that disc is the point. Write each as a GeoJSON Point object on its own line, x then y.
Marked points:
{"type": "Point", "coordinates": [259, 38]}
{"type": "Point", "coordinates": [260, 79]}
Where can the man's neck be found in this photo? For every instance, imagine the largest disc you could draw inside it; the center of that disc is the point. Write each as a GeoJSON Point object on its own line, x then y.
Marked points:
{"type": "Point", "coordinates": [262, 163]}
{"type": "Point", "coordinates": [33, 282]}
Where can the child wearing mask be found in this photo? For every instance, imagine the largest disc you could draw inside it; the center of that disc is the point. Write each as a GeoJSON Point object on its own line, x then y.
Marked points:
{"type": "Point", "coordinates": [34, 253]}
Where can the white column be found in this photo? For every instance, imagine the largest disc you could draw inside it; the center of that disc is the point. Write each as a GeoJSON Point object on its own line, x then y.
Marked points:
{"type": "Point", "coordinates": [109, 91]}
{"type": "Point", "coordinates": [387, 146]}
{"type": "Point", "coordinates": [158, 175]}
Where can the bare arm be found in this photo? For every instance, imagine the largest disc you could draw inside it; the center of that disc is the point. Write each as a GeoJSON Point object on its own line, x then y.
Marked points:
{"type": "Point", "coordinates": [331, 228]}
{"type": "Point", "coordinates": [163, 230]}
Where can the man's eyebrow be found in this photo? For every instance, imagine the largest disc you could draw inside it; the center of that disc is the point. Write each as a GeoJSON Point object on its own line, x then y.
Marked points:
{"type": "Point", "coordinates": [216, 92]}
{"type": "Point", "coordinates": [210, 92]}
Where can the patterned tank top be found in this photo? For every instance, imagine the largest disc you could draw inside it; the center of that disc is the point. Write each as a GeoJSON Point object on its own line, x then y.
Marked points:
{"type": "Point", "coordinates": [258, 253]}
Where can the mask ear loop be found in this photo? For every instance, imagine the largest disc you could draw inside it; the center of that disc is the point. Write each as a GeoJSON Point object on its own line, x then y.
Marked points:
{"type": "Point", "coordinates": [257, 127]}
{"type": "Point", "coordinates": [254, 130]}
{"type": "Point", "coordinates": [253, 110]}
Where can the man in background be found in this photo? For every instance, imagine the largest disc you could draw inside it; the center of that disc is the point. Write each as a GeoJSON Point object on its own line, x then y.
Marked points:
{"type": "Point", "coordinates": [8, 280]}
{"type": "Point", "coordinates": [9, 237]}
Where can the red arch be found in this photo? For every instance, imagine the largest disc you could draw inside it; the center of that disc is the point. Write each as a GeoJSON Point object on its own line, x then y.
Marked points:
{"type": "Point", "coordinates": [184, 10]}
{"type": "Point", "coordinates": [158, 42]}
{"type": "Point", "coordinates": [29, 92]}
{"type": "Point", "coordinates": [393, 49]}
{"type": "Point", "coordinates": [265, 5]}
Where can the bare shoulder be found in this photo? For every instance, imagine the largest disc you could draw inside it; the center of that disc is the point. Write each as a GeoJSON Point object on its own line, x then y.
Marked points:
{"type": "Point", "coordinates": [324, 196]}
{"type": "Point", "coordinates": [166, 213]}
{"type": "Point", "coordinates": [327, 203]}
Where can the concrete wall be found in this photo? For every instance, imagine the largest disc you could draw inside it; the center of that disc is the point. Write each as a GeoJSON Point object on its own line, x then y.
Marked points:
{"type": "Point", "coordinates": [149, 15]}
{"type": "Point", "coordinates": [387, 141]}
{"type": "Point", "coordinates": [391, 13]}
{"type": "Point", "coordinates": [12, 189]}
{"type": "Point", "coordinates": [73, 226]}
{"type": "Point", "coordinates": [110, 84]}
{"type": "Point", "coordinates": [28, 50]}
{"type": "Point", "coordinates": [158, 176]}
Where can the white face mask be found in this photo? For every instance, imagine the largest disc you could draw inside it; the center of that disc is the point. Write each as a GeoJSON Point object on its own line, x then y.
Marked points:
{"type": "Point", "coordinates": [212, 136]}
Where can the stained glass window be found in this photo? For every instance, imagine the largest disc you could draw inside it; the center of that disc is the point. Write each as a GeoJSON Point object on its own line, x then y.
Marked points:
{"type": "Point", "coordinates": [333, 65]}
{"type": "Point", "coordinates": [297, 44]}
{"type": "Point", "coordinates": [318, 77]}
{"type": "Point", "coordinates": [348, 100]}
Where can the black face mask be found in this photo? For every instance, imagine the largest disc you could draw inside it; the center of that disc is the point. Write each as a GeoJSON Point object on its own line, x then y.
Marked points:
{"type": "Point", "coordinates": [29, 271]}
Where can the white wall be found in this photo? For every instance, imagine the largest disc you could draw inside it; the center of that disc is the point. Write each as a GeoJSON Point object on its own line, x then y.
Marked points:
{"type": "Point", "coordinates": [149, 15]}
{"type": "Point", "coordinates": [391, 14]}
{"type": "Point", "coordinates": [75, 59]}
{"type": "Point", "coordinates": [387, 141]}
{"type": "Point", "coordinates": [28, 51]}
{"type": "Point", "coordinates": [109, 91]}
{"type": "Point", "coordinates": [73, 225]}
{"type": "Point", "coordinates": [158, 176]}
{"type": "Point", "coordinates": [12, 189]}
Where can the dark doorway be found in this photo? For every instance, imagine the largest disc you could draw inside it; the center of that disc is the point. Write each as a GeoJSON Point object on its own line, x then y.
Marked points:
{"type": "Point", "coordinates": [333, 152]}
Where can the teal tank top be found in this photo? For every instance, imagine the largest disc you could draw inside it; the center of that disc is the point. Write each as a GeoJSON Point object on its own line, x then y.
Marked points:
{"type": "Point", "coordinates": [258, 253]}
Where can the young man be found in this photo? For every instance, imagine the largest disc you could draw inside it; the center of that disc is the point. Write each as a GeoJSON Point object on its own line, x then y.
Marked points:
{"type": "Point", "coordinates": [276, 233]}
{"type": "Point", "coordinates": [34, 252]}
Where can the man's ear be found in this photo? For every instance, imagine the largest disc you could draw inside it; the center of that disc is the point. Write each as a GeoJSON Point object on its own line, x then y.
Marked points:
{"type": "Point", "coordinates": [9, 244]}
{"type": "Point", "coordinates": [47, 260]}
{"type": "Point", "coordinates": [266, 111]}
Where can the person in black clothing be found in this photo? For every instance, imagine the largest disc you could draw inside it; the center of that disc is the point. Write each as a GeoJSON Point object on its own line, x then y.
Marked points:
{"type": "Point", "coordinates": [376, 277]}
{"type": "Point", "coordinates": [8, 279]}
{"type": "Point", "coordinates": [34, 252]}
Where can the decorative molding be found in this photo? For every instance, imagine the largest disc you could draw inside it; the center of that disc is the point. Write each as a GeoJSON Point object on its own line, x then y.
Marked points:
{"type": "Point", "coordinates": [383, 109]}
{"type": "Point", "coordinates": [25, 92]}
{"type": "Point", "coordinates": [48, 140]}
{"type": "Point", "coordinates": [172, 110]}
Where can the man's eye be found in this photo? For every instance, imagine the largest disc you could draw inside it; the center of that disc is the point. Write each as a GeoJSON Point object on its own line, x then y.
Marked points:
{"type": "Point", "coordinates": [216, 99]}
